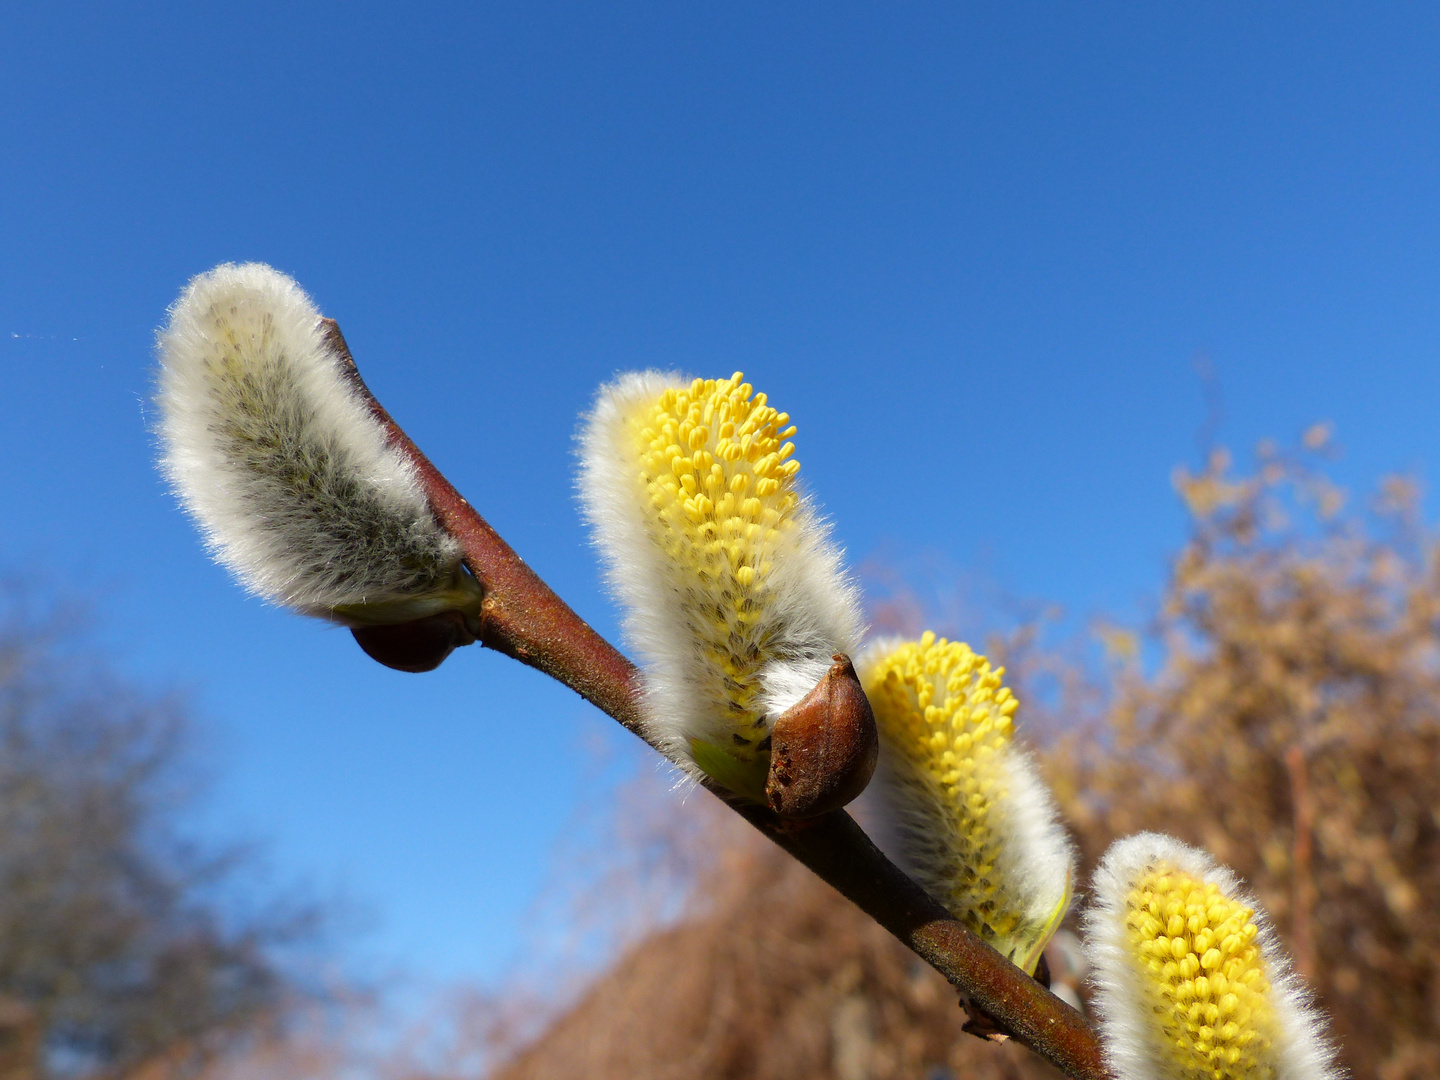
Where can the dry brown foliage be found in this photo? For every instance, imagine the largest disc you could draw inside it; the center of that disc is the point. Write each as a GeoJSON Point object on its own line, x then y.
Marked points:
{"type": "Point", "coordinates": [1283, 710]}
{"type": "Point", "coordinates": [1292, 727]}
{"type": "Point", "coordinates": [775, 977]}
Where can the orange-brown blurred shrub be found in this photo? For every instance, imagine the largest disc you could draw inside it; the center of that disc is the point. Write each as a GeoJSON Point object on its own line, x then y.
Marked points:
{"type": "Point", "coordinates": [1282, 709]}
{"type": "Point", "coordinates": [774, 977]}
{"type": "Point", "coordinates": [1292, 726]}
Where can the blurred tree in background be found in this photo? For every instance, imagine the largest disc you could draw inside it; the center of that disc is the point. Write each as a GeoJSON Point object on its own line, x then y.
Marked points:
{"type": "Point", "coordinates": [1291, 724]}
{"type": "Point", "coordinates": [1282, 709]}
{"type": "Point", "coordinates": [120, 952]}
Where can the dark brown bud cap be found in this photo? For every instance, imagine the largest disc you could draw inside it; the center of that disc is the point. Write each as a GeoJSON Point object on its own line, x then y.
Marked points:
{"type": "Point", "coordinates": [418, 645]}
{"type": "Point", "coordinates": [823, 748]}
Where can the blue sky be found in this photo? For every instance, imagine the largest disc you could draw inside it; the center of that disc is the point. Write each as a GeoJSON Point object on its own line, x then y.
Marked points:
{"type": "Point", "coordinates": [975, 250]}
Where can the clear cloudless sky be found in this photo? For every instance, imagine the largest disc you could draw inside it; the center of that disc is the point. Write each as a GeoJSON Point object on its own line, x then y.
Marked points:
{"type": "Point", "coordinates": [974, 249]}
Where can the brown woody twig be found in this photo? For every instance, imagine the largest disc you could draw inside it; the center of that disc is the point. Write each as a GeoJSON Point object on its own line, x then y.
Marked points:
{"type": "Point", "coordinates": [522, 617]}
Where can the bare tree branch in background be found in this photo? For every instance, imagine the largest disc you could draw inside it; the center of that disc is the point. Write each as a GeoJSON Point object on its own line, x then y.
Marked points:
{"type": "Point", "coordinates": [114, 946]}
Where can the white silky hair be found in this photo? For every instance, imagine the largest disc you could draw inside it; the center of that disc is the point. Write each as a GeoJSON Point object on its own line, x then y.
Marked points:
{"type": "Point", "coordinates": [276, 455]}
{"type": "Point", "coordinates": [1132, 1047]}
{"type": "Point", "coordinates": [813, 606]}
{"type": "Point", "coordinates": [1036, 861]}
{"type": "Point", "coordinates": [1041, 859]}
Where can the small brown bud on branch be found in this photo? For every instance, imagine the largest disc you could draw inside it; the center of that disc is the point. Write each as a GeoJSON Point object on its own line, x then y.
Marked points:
{"type": "Point", "coordinates": [418, 645]}
{"type": "Point", "coordinates": [824, 747]}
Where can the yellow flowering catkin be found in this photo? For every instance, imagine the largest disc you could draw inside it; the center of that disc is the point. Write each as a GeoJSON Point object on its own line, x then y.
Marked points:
{"type": "Point", "coordinates": [1207, 983]}
{"type": "Point", "coordinates": [735, 597]}
{"type": "Point", "coordinates": [720, 481]}
{"type": "Point", "coordinates": [975, 825]}
{"type": "Point", "coordinates": [1190, 983]}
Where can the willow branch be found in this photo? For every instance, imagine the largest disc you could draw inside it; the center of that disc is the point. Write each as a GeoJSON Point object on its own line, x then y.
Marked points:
{"type": "Point", "coordinates": [522, 617]}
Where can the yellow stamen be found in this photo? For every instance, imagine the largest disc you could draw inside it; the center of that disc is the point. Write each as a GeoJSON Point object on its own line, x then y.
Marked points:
{"type": "Point", "coordinates": [941, 707]}
{"type": "Point", "coordinates": [1219, 1025]}
{"type": "Point", "coordinates": [734, 502]}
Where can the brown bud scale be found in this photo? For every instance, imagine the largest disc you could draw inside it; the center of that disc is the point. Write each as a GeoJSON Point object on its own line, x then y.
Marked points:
{"type": "Point", "coordinates": [418, 645]}
{"type": "Point", "coordinates": [823, 748]}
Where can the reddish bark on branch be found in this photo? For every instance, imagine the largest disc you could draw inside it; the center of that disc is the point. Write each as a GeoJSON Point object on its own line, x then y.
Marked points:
{"type": "Point", "coordinates": [522, 617]}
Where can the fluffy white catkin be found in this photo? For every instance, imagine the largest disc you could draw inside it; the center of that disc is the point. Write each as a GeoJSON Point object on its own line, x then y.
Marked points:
{"type": "Point", "coordinates": [1191, 981]}
{"type": "Point", "coordinates": [735, 598]}
{"type": "Point", "coordinates": [971, 820]}
{"type": "Point", "coordinates": [276, 455]}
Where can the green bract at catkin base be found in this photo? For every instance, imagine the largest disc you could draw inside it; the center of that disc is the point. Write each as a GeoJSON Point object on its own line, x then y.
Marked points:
{"type": "Point", "coordinates": [974, 823]}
